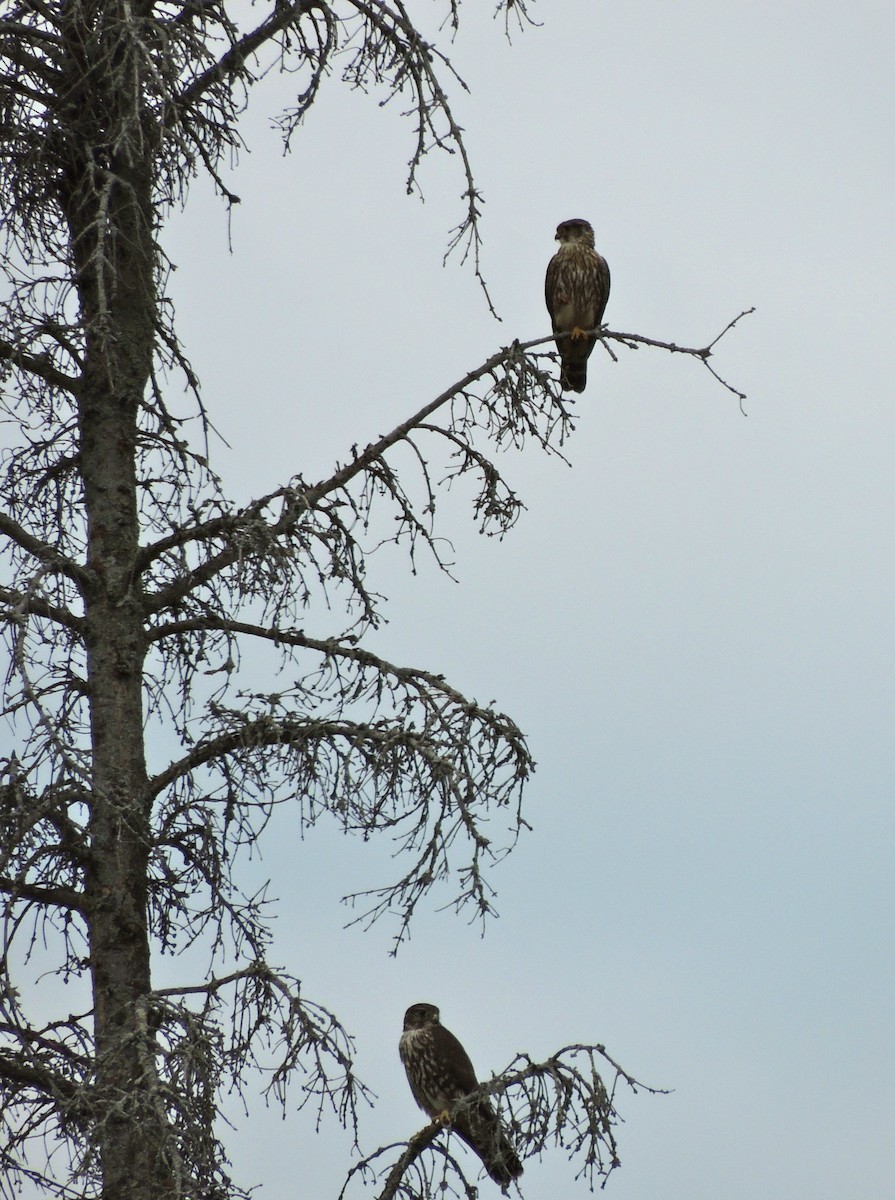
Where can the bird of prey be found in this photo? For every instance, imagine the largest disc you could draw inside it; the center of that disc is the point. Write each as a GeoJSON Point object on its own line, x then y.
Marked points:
{"type": "Point", "coordinates": [440, 1075]}
{"type": "Point", "coordinates": [576, 290]}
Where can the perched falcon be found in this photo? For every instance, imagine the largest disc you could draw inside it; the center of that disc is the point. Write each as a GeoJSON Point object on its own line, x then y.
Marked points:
{"type": "Point", "coordinates": [440, 1074]}
{"type": "Point", "coordinates": [576, 290]}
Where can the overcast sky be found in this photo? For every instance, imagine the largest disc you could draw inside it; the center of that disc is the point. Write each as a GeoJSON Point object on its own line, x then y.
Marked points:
{"type": "Point", "coordinates": [693, 624]}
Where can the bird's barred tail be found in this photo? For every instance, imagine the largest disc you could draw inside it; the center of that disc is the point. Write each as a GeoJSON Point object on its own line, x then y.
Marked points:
{"type": "Point", "coordinates": [505, 1166]}
{"type": "Point", "coordinates": [574, 376]}
{"type": "Point", "coordinates": [482, 1131]}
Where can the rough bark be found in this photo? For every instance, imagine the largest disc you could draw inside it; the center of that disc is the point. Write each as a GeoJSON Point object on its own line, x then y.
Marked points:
{"type": "Point", "coordinates": [107, 197]}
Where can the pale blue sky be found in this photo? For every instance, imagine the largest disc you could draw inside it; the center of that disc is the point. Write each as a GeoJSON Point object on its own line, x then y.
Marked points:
{"type": "Point", "coordinates": [693, 624]}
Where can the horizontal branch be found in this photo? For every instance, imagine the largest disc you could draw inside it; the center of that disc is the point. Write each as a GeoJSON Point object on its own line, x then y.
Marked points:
{"type": "Point", "coordinates": [329, 647]}
{"type": "Point", "coordinates": [254, 734]}
{"type": "Point", "coordinates": [40, 365]}
{"type": "Point", "coordinates": [33, 1037]}
{"type": "Point", "coordinates": [255, 970]}
{"type": "Point", "coordinates": [31, 34]}
{"type": "Point", "coordinates": [60, 897]}
{"type": "Point", "coordinates": [633, 340]}
{"type": "Point", "coordinates": [639, 339]}
{"type": "Point", "coordinates": [43, 552]}
{"type": "Point", "coordinates": [532, 1070]}
{"type": "Point", "coordinates": [55, 1087]}
{"type": "Point", "coordinates": [38, 607]}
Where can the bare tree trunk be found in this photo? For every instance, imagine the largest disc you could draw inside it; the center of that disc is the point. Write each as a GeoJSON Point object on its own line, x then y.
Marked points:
{"type": "Point", "coordinates": [108, 203]}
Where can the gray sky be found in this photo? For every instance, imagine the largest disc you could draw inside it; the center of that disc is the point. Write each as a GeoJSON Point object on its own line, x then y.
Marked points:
{"type": "Point", "coordinates": [693, 624]}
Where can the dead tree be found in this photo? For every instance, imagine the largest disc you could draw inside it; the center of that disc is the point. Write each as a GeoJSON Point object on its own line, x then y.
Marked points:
{"type": "Point", "coordinates": [132, 588]}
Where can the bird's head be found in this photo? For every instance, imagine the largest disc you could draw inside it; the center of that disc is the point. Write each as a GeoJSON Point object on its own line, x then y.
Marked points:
{"type": "Point", "coordinates": [418, 1016]}
{"type": "Point", "coordinates": [575, 230]}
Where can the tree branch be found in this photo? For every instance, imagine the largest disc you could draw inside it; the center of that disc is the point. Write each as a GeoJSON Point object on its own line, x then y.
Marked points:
{"type": "Point", "coordinates": [255, 970]}
{"type": "Point", "coordinates": [32, 1037]}
{"type": "Point", "coordinates": [234, 60]}
{"type": "Point", "coordinates": [43, 552]}
{"type": "Point", "coordinates": [296, 502]}
{"type": "Point", "coordinates": [40, 365]}
{"type": "Point", "coordinates": [329, 647]}
{"type": "Point", "coordinates": [54, 1086]}
{"type": "Point", "coordinates": [265, 731]}
{"type": "Point", "coordinates": [60, 897]}
{"type": "Point", "coordinates": [562, 1100]}
{"type": "Point", "coordinates": [633, 340]}
{"type": "Point", "coordinates": [414, 1148]}
{"type": "Point", "coordinates": [21, 602]}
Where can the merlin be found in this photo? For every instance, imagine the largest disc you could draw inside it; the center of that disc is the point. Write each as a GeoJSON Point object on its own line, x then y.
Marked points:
{"type": "Point", "coordinates": [576, 290]}
{"type": "Point", "coordinates": [440, 1076]}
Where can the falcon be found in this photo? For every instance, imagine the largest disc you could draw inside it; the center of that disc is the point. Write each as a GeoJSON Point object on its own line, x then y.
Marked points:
{"type": "Point", "coordinates": [440, 1075]}
{"type": "Point", "coordinates": [576, 290]}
